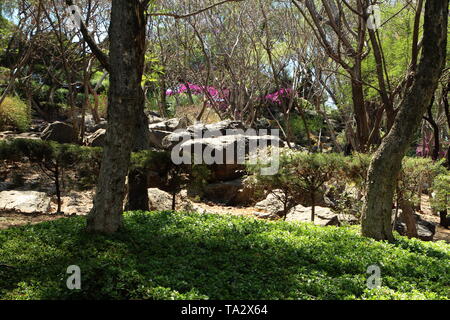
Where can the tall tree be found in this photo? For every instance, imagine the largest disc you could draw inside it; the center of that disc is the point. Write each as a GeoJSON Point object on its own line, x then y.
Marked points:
{"type": "Point", "coordinates": [127, 36]}
{"type": "Point", "coordinates": [125, 101]}
{"type": "Point", "coordinates": [386, 163]}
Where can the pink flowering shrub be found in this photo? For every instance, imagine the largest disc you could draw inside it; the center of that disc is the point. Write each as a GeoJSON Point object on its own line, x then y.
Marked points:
{"type": "Point", "coordinates": [279, 95]}
{"type": "Point", "coordinates": [221, 97]}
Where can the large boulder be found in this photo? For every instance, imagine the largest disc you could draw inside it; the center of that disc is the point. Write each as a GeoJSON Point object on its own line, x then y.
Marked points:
{"type": "Point", "coordinates": [60, 132]}
{"type": "Point", "coordinates": [170, 125]}
{"type": "Point", "coordinates": [198, 130]}
{"type": "Point", "coordinates": [161, 129]}
{"type": "Point", "coordinates": [152, 118]}
{"type": "Point", "coordinates": [159, 200]}
{"type": "Point", "coordinates": [101, 125]}
{"type": "Point", "coordinates": [425, 229]}
{"type": "Point", "coordinates": [29, 202]}
{"type": "Point", "coordinates": [156, 137]}
{"type": "Point", "coordinates": [223, 146]}
{"type": "Point", "coordinates": [222, 127]}
{"type": "Point", "coordinates": [272, 204]}
{"type": "Point", "coordinates": [223, 192]}
{"type": "Point", "coordinates": [323, 216]}
{"type": "Point", "coordinates": [97, 139]}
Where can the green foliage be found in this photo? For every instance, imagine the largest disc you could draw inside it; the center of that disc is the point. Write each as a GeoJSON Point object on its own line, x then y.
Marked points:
{"type": "Point", "coordinates": [151, 160]}
{"type": "Point", "coordinates": [52, 158]}
{"type": "Point", "coordinates": [299, 172]}
{"type": "Point", "coordinates": [441, 192]}
{"type": "Point", "coordinates": [170, 255]}
{"type": "Point", "coordinates": [14, 113]}
{"type": "Point", "coordinates": [415, 173]}
{"type": "Point", "coordinates": [356, 168]}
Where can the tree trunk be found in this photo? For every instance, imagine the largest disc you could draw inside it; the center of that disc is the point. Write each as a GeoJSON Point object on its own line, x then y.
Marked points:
{"type": "Point", "coordinates": [435, 126]}
{"type": "Point", "coordinates": [137, 180]}
{"type": "Point", "coordinates": [362, 125]}
{"type": "Point", "coordinates": [408, 218]}
{"type": "Point", "coordinates": [127, 40]}
{"type": "Point", "coordinates": [163, 96]}
{"type": "Point", "coordinates": [386, 163]}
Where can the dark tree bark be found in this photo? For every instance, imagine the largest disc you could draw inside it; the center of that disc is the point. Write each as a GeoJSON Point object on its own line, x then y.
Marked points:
{"type": "Point", "coordinates": [137, 180]}
{"type": "Point", "coordinates": [127, 50]}
{"type": "Point", "coordinates": [435, 126]}
{"type": "Point", "coordinates": [386, 163]}
{"type": "Point", "coordinates": [408, 217]}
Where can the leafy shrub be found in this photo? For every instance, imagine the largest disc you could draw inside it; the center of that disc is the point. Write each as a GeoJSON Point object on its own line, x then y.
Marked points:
{"type": "Point", "coordinates": [417, 173]}
{"type": "Point", "coordinates": [441, 192]}
{"type": "Point", "coordinates": [298, 173]}
{"type": "Point", "coordinates": [51, 157]}
{"type": "Point", "coordinates": [14, 113]}
{"type": "Point", "coordinates": [356, 168]}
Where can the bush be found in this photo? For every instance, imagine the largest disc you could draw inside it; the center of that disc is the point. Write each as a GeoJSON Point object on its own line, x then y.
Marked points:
{"type": "Point", "coordinates": [416, 174]}
{"type": "Point", "coordinates": [14, 113]}
{"type": "Point", "coordinates": [170, 255]}
{"type": "Point", "coordinates": [298, 173]}
{"type": "Point", "coordinates": [441, 192]}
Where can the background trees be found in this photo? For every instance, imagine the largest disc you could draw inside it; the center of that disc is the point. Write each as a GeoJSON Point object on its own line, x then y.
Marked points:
{"type": "Point", "coordinates": [386, 163]}
{"type": "Point", "coordinates": [313, 69]}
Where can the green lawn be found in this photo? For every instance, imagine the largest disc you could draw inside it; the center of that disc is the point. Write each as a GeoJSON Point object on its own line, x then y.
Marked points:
{"type": "Point", "coordinates": [164, 255]}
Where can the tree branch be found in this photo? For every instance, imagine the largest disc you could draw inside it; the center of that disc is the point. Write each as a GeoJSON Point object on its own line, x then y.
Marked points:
{"type": "Point", "coordinates": [183, 16]}
{"type": "Point", "coordinates": [99, 54]}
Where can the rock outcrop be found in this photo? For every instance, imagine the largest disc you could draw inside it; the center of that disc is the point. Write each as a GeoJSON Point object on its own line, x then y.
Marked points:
{"type": "Point", "coordinates": [28, 202]}
{"type": "Point", "coordinates": [425, 229]}
{"type": "Point", "coordinates": [60, 132]}
{"type": "Point", "coordinates": [323, 216]}
{"type": "Point", "coordinates": [97, 139]}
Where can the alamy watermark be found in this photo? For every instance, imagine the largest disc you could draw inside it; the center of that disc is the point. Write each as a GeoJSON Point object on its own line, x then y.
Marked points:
{"type": "Point", "coordinates": [374, 280]}
{"type": "Point", "coordinates": [74, 280]}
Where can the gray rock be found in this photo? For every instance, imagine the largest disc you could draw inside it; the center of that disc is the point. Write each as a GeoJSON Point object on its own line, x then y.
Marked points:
{"type": "Point", "coordinates": [60, 132]}
{"type": "Point", "coordinates": [159, 200]}
{"type": "Point", "coordinates": [323, 216]}
{"type": "Point", "coordinates": [221, 146]}
{"type": "Point", "coordinates": [162, 201]}
{"type": "Point", "coordinates": [170, 125]}
{"type": "Point", "coordinates": [223, 192]}
{"type": "Point", "coordinates": [101, 125]}
{"type": "Point", "coordinates": [156, 137]}
{"type": "Point", "coordinates": [425, 229]}
{"type": "Point", "coordinates": [265, 215]}
{"type": "Point", "coordinates": [154, 119]}
{"type": "Point", "coordinates": [222, 127]}
{"type": "Point", "coordinates": [272, 204]}
{"type": "Point", "coordinates": [24, 202]}
{"type": "Point", "coordinates": [97, 139]}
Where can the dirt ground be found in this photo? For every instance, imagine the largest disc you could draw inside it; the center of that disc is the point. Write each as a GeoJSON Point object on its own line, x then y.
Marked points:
{"type": "Point", "coordinates": [8, 220]}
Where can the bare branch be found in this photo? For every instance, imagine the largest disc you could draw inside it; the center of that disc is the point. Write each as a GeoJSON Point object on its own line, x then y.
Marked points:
{"type": "Point", "coordinates": [183, 16]}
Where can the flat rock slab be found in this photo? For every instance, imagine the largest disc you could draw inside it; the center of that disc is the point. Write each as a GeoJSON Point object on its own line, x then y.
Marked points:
{"type": "Point", "coordinates": [323, 216]}
{"type": "Point", "coordinates": [24, 202]}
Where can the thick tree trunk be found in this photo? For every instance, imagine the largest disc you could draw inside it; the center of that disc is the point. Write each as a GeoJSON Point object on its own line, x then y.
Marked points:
{"type": "Point", "coordinates": [127, 39]}
{"type": "Point", "coordinates": [386, 163]}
